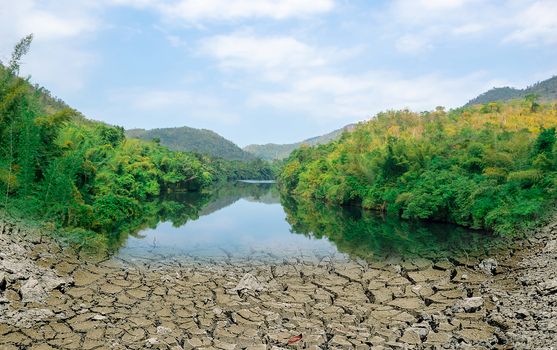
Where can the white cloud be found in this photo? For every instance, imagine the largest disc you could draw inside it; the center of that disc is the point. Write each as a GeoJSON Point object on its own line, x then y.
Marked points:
{"type": "Point", "coordinates": [355, 97]}
{"type": "Point", "coordinates": [275, 57]}
{"type": "Point", "coordinates": [420, 25]}
{"type": "Point", "coordinates": [47, 20]}
{"type": "Point", "coordinates": [537, 23]}
{"type": "Point", "coordinates": [309, 79]}
{"type": "Point", "coordinates": [57, 59]}
{"type": "Point", "coordinates": [194, 11]}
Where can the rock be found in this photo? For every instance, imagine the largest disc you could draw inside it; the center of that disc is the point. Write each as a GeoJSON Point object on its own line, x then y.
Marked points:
{"type": "Point", "coordinates": [551, 246]}
{"type": "Point", "coordinates": [26, 318]}
{"type": "Point", "coordinates": [522, 313]}
{"type": "Point", "coordinates": [249, 283]}
{"type": "Point", "coordinates": [34, 290]}
{"type": "Point", "coordinates": [3, 282]}
{"type": "Point", "coordinates": [498, 320]}
{"type": "Point", "coordinates": [548, 287]}
{"type": "Point", "coordinates": [489, 266]}
{"type": "Point", "coordinates": [163, 330]}
{"type": "Point", "coordinates": [151, 341]}
{"type": "Point", "coordinates": [468, 305]}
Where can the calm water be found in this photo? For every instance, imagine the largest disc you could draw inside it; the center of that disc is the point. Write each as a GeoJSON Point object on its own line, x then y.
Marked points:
{"type": "Point", "coordinates": [250, 220]}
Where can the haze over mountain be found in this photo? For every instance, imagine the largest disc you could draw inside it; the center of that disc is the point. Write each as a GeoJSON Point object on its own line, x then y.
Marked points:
{"type": "Point", "coordinates": [546, 90]}
{"type": "Point", "coordinates": [272, 151]}
{"type": "Point", "coordinates": [194, 140]}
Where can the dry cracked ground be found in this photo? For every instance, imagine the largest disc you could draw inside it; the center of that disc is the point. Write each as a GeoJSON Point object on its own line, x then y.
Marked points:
{"type": "Point", "coordinates": [50, 298]}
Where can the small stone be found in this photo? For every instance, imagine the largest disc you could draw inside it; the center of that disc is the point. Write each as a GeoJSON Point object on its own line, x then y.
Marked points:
{"type": "Point", "coordinates": [489, 266]}
{"type": "Point", "coordinates": [548, 287]}
{"type": "Point", "coordinates": [522, 314]}
{"type": "Point", "coordinates": [468, 305]}
{"type": "Point", "coordinates": [3, 282]}
{"type": "Point", "coordinates": [151, 341]}
{"type": "Point", "coordinates": [163, 330]}
{"type": "Point", "coordinates": [249, 282]}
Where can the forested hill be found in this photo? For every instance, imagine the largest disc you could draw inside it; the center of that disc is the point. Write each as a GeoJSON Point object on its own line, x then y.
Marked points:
{"type": "Point", "coordinates": [272, 151]}
{"type": "Point", "coordinates": [193, 140]}
{"type": "Point", "coordinates": [491, 166]}
{"type": "Point", "coordinates": [58, 167]}
{"type": "Point", "coordinates": [546, 91]}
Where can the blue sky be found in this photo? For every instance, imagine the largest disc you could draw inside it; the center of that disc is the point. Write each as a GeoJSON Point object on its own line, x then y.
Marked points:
{"type": "Point", "coordinates": [259, 71]}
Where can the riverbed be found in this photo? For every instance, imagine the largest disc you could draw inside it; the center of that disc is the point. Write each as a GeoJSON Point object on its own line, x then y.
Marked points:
{"type": "Point", "coordinates": [398, 294]}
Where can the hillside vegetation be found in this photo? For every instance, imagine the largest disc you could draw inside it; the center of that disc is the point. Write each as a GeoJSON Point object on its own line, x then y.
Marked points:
{"type": "Point", "coordinates": [193, 140]}
{"type": "Point", "coordinates": [57, 166]}
{"type": "Point", "coordinates": [273, 151]}
{"type": "Point", "coordinates": [488, 166]}
{"type": "Point", "coordinates": [545, 91]}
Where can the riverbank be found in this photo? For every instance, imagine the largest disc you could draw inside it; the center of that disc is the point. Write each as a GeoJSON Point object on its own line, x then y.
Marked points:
{"type": "Point", "coordinates": [52, 298]}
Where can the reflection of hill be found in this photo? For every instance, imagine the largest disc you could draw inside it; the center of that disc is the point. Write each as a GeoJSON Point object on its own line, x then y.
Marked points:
{"type": "Point", "coordinates": [229, 193]}
{"type": "Point", "coordinates": [369, 235]}
{"type": "Point", "coordinates": [181, 207]}
{"type": "Point", "coordinates": [270, 197]}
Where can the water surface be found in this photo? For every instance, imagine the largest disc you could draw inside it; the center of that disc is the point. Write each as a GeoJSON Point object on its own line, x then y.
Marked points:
{"type": "Point", "coordinates": [250, 220]}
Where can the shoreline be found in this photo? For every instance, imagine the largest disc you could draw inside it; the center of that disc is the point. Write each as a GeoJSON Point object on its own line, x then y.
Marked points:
{"type": "Point", "coordinates": [51, 296]}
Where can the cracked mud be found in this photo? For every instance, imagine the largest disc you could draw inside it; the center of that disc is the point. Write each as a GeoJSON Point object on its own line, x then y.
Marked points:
{"type": "Point", "coordinates": [51, 298]}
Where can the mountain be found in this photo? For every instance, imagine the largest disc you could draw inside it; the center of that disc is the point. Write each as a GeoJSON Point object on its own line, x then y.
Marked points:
{"type": "Point", "coordinates": [547, 91]}
{"type": "Point", "coordinates": [272, 151]}
{"type": "Point", "coordinates": [196, 140]}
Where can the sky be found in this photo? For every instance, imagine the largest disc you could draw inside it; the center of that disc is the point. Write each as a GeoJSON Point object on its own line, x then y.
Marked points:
{"type": "Point", "coordinates": [259, 71]}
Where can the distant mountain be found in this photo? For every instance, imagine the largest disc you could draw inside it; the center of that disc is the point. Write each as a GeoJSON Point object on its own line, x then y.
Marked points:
{"type": "Point", "coordinates": [547, 90]}
{"type": "Point", "coordinates": [195, 140]}
{"type": "Point", "coordinates": [272, 151]}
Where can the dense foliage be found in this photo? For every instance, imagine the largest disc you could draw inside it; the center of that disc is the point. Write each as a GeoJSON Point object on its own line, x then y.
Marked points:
{"type": "Point", "coordinates": [193, 140]}
{"type": "Point", "coordinates": [241, 170]}
{"type": "Point", "coordinates": [57, 166]}
{"type": "Point", "coordinates": [545, 90]}
{"type": "Point", "coordinates": [490, 166]}
{"type": "Point", "coordinates": [273, 151]}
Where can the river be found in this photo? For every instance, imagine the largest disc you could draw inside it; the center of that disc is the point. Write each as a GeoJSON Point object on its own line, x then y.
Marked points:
{"type": "Point", "coordinates": [250, 220]}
